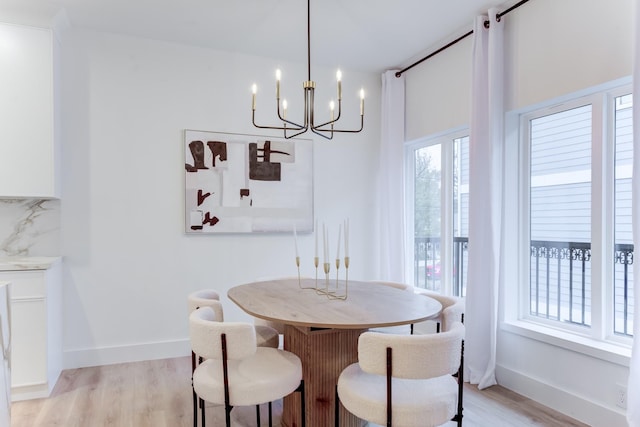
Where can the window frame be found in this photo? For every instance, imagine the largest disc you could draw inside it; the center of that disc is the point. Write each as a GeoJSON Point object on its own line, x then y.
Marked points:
{"type": "Point", "coordinates": [599, 340]}
{"type": "Point", "coordinates": [445, 139]}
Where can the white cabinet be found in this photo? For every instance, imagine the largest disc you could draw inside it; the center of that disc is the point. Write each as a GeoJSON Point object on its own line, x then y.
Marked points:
{"type": "Point", "coordinates": [28, 144]}
{"type": "Point", "coordinates": [36, 331]}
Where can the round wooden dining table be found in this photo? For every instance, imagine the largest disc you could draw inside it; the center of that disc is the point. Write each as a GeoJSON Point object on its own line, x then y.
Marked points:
{"type": "Point", "coordinates": [324, 332]}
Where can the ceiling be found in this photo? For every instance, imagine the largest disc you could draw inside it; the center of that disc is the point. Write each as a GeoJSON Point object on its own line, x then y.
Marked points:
{"type": "Point", "coordinates": [365, 35]}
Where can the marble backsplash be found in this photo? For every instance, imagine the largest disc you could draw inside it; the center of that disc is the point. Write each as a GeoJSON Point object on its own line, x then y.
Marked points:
{"type": "Point", "coordinates": [29, 227]}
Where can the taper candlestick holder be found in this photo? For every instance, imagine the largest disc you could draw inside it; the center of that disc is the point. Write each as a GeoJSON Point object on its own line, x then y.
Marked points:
{"type": "Point", "coordinates": [299, 278]}
{"type": "Point", "coordinates": [346, 269]}
{"type": "Point", "coordinates": [335, 295]}
{"type": "Point", "coordinates": [327, 269]}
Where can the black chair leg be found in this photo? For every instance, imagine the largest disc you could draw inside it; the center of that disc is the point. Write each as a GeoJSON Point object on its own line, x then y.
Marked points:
{"type": "Point", "coordinates": [195, 409]}
{"type": "Point", "coordinates": [258, 415]}
{"type": "Point", "coordinates": [336, 409]}
{"type": "Point", "coordinates": [193, 392]}
{"type": "Point", "coordinates": [300, 388]}
{"type": "Point", "coordinates": [202, 411]}
{"type": "Point", "coordinates": [270, 416]}
{"type": "Point", "coordinates": [227, 414]}
{"type": "Point", "coordinates": [460, 386]}
{"type": "Point", "coordinates": [460, 377]}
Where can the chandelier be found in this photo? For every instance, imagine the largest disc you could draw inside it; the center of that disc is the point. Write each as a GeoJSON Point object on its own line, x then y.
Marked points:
{"type": "Point", "coordinates": [292, 129]}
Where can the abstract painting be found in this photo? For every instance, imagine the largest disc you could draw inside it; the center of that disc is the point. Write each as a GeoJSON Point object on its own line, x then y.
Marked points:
{"type": "Point", "coordinates": [237, 183]}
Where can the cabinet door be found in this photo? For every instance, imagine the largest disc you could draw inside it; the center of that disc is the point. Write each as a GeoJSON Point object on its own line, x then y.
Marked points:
{"type": "Point", "coordinates": [28, 327]}
{"type": "Point", "coordinates": [27, 152]}
{"type": "Point", "coordinates": [28, 332]}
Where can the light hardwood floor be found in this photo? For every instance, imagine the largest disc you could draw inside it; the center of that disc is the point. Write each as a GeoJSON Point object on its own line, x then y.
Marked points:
{"type": "Point", "coordinates": [158, 393]}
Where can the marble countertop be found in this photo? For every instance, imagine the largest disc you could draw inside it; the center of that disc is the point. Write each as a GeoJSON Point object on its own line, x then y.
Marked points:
{"type": "Point", "coordinates": [26, 263]}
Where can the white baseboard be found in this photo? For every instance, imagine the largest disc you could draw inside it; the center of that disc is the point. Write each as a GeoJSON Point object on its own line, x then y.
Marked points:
{"type": "Point", "coordinates": [30, 391]}
{"type": "Point", "coordinates": [81, 358]}
{"type": "Point", "coordinates": [580, 408]}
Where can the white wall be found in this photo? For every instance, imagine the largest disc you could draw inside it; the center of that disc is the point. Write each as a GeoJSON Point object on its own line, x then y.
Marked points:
{"type": "Point", "coordinates": [553, 48]}
{"type": "Point", "coordinates": [128, 266]}
{"type": "Point", "coordinates": [437, 92]}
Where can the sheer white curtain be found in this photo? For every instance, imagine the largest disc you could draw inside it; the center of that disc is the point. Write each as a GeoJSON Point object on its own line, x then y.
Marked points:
{"type": "Point", "coordinates": [391, 254]}
{"type": "Point", "coordinates": [633, 389]}
{"type": "Point", "coordinates": [485, 201]}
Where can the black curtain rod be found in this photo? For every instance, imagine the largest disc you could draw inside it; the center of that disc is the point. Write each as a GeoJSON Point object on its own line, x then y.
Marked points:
{"type": "Point", "coordinates": [462, 37]}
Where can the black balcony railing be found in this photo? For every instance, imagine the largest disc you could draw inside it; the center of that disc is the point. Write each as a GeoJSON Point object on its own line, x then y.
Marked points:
{"type": "Point", "coordinates": [427, 268]}
{"type": "Point", "coordinates": [560, 283]}
{"type": "Point", "coordinates": [622, 296]}
{"type": "Point", "coordinates": [560, 278]}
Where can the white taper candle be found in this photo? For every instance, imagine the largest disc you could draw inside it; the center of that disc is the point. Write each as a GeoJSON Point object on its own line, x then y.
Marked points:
{"type": "Point", "coordinates": [324, 243]}
{"type": "Point", "coordinates": [339, 241]}
{"type": "Point", "coordinates": [346, 238]}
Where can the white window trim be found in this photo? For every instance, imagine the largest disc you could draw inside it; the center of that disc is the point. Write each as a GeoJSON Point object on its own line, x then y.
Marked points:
{"type": "Point", "coordinates": [514, 316]}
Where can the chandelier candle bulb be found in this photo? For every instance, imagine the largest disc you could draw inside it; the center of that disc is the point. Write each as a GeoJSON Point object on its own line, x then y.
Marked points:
{"type": "Point", "coordinates": [284, 108]}
{"type": "Point", "coordinates": [362, 102]}
{"type": "Point", "coordinates": [339, 78]}
{"type": "Point", "coordinates": [254, 89]}
{"type": "Point", "coordinates": [295, 239]}
{"type": "Point", "coordinates": [332, 107]}
{"type": "Point", "coordinates": [278, 83]}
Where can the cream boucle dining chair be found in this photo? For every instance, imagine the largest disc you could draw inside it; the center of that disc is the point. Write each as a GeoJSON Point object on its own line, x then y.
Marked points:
{"type": "Point", "coordinates": [235, 371]}
{"type": "Point", "coordinates": [265, 335]}
{"type": "Point", "coordinates": [403, 380]}
{"type": "Point", "coordinates": [452, 311]}
{"type": "Point", "coordinates": [446, 301]}
{"type": "Point", "coordinates": [450, 316]}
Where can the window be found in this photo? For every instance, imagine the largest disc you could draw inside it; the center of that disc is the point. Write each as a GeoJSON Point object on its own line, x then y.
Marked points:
{"type": "Point", "coordinates": [560, 215]}
{"type": "Point", "coordinates": [438, 188]}
{"type": "Point", "coordinates": [578, 215]}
